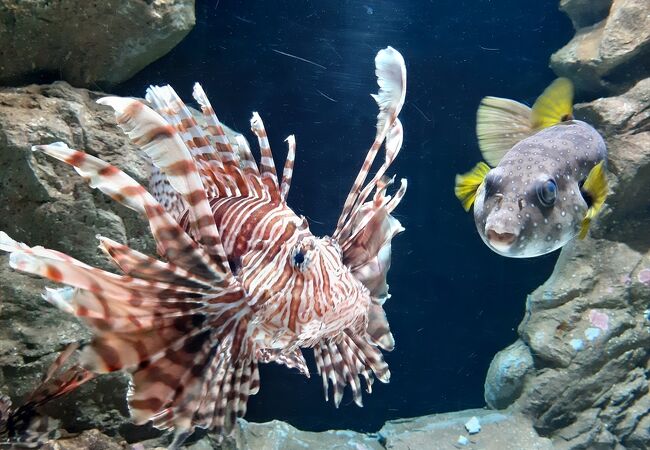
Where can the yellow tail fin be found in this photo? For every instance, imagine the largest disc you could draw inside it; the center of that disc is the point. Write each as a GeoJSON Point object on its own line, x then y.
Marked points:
{"type": "Point", "coordinates": [468, 183]}
{"type": "Point", "coordinates": [595, 186]}
{"type": "Point", "coordinates": [555, 105]}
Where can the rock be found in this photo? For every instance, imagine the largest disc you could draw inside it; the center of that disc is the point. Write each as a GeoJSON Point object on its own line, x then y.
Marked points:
{"type": "Point", "coordinates": [499, 431]}
{"type": "Point", "coordinates": [276, 434]}
{"type": "Point", "coordinates": [87, 43]}
{"type": "Point", "coordinates": [611, 55]}
{"type": "Point", "coordinates": [585, 12]}
{"type": "Point", "coordinates": [87, 440]}
{"type": "Point", "coordinates": [505, 377]}
{"type": "Point", "coordinates": [587, 327]}
{"type": "Point", "coordinates": [43, 201]}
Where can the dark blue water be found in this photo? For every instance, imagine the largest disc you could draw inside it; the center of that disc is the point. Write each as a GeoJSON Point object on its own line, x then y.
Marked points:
{"type": "Point", "coordinates": [455, 303]}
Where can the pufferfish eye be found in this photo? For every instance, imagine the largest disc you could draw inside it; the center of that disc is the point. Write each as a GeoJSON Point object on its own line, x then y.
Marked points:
{"type": "Point", "coordinates": [547, 192]}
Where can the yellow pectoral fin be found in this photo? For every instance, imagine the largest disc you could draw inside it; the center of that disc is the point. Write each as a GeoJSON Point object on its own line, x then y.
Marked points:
{"type": "Point", "coordinates": [555, 105]}
{"type": "Point", "coordinates": [468, 183]}
{"type": "Point", "coordinates": [595, 189]}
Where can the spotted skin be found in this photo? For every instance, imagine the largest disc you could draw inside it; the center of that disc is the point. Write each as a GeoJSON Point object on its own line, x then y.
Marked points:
{"type": "Point", "coordinates": [507, 201]}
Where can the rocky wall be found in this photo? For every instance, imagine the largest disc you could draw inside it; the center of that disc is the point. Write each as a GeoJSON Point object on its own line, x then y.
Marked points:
{"type": "Point", "coordinates": [580, 369]}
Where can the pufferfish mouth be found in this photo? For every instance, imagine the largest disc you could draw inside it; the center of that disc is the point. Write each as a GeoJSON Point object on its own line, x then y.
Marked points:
{"type": "Point", "coordinates": [500, 241]}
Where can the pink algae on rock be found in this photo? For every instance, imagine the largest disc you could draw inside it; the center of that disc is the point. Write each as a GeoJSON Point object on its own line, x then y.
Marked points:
{"type": "Point", "coordinates": [644, 276]}
{"type": "Point", "coordinates": [599, 319]}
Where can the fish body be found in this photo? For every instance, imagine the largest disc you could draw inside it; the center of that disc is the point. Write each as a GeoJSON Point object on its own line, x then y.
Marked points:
{"type": "Point", "coordinates": [242, 279]}
{"type": "Point", "coordinates": [511, 213]}
{"type": "Point", "coordinates": [544, 189]}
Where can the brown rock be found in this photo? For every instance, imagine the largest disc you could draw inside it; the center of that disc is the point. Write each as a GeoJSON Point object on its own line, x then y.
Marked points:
{"type": "Point", "coordinates": [611, 55]}
{"type": "Point", "coordinates": [587, 328]}
{"type": "Point", "coordinates": [87, 43]}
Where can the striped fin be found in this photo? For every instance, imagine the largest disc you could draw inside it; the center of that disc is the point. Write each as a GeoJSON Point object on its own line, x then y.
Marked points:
{"type": "Point", "coordinates": [169, 335]}
{"type": "Point", "coordinates": [391, 78]}
{"type": "Point", "coordinates": [215, 129]}
{"type": "Point", "coordinates": [211, 170]}
{"type": "Point", "coordinates": [500, 124]}
{"type": "Point", "coordinates": [249, 166]}
{"type": "Point", "coordinates": [138, 265]}
{"type": "Point", "coordinates": [170, 238]}
{"type": "Point", "coordinates": [292, 360]}
{"type": "Point", "coordinates": [394, 140]}
{"type": "Point", "coordinates": [168, 104]}
{"type": "Point", "coordinates": [165, 194]}
{"type": "Point", "coordinates": [24, 426]}
{"type": "Point", "coordinates": [267, 165]}
{"type": "Point", "coordinates": [287, 172]}
{"type": "Point", "coordinates": [164, 146]}
{"type": "Point", "coordinates": [343, 361]}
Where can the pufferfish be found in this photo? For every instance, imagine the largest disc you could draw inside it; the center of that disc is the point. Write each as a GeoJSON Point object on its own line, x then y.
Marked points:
{"type": "Point", "coordinates": [547, 181]}
{"type": "Point", "coordinates": [242, 279]}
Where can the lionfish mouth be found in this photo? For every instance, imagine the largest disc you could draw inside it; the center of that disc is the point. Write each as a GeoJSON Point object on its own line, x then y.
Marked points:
{"type": "Point", "coordinates": [500, 241]}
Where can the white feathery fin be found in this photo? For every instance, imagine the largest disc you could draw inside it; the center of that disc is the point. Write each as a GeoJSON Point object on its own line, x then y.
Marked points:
{"type": "Point", "coordinates": [500, 124]}
{"type": "Point", "coordinates": [391, 78]}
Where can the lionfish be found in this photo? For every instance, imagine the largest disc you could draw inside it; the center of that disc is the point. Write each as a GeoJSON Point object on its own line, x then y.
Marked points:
{"type": "Point", "coordinates": [25, 425]}
{"type": "Point", "coordinates": [243, 280]}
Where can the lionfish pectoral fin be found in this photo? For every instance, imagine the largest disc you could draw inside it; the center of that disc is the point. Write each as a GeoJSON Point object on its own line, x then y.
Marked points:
{"type": "Point", "coordinates": [500, 124]}
{"type": "Point", "coordinates": [468, 183]}
{"type": "Point", "coordinates": [171, 240]}
{"type": "Point", "coordinates": [201, 377]}
{"type": "Point", "coordinates": [594, 190]}
{"type": "Point", "coordinates": [345, 360]}
{"type": "Point", "coordinates": [554, 106]}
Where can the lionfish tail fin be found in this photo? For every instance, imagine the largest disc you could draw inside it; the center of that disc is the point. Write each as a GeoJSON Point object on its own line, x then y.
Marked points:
{"type": "Point", "coordinates": [344, 361]}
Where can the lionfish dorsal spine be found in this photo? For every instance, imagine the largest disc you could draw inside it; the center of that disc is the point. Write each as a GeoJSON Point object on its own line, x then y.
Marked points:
{"type": "Point", "coordinates": [391, 78]}
{"type": "Point", "coordinates": [267, 164]}
{"type": "Point", "coordinates": [161, 142]}
{"type": "Point", "coordinates": [287, 171]}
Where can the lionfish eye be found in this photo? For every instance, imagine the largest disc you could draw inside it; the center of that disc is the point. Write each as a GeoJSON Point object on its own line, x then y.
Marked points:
{"type": "Point", "coordinates": [298, 258]}
{"type": "Point", "coordinates": [547, 192]}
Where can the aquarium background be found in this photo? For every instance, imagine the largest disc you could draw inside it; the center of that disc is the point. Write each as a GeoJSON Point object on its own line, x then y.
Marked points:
{"type": "Point", "coordinates": [454, 302]}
